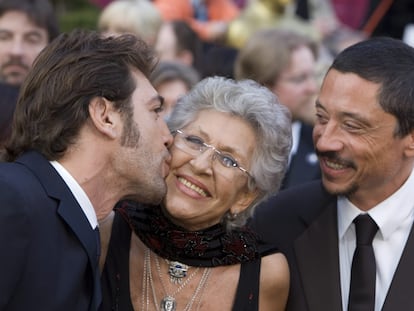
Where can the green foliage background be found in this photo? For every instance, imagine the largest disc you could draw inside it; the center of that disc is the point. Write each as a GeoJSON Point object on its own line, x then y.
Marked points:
{"type": "Point", "coordinates": [76, 14]}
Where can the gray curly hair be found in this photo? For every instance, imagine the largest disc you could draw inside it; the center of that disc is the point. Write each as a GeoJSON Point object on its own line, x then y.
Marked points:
{"type": "Point", "coordinates": [260, 108]}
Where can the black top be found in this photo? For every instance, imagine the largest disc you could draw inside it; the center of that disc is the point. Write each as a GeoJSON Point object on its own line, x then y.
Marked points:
{"type": "Point", "coordinates": [115, 275]}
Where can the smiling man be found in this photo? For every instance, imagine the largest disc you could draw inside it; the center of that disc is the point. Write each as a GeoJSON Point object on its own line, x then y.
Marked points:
{"type": "Point", "coordinates": [364, 138]}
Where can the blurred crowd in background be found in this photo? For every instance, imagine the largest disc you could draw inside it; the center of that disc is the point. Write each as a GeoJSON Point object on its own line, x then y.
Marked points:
{"type": "Point", "coordinates": [286, 45]}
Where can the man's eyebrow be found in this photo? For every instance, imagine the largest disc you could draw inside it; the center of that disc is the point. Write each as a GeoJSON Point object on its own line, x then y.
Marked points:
{"type": "Point", "coordinates": [156, 99]}
{"type": "Point", "coordinates": [161, 100]}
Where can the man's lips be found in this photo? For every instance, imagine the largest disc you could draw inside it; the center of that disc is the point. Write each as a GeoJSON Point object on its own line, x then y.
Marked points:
{"type": "Point", "coordinates": [332, 161]}
{"type": "Point", "coordinates": [334, 165]}
{"type": "Point", "coordinates": [15, 65]}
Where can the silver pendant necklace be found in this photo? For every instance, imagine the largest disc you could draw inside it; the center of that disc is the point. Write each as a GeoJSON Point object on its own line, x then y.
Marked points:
{"type": "Point", "coordinates": [177, 271]}
{"type": "Point", "coordinates": [168, 303]}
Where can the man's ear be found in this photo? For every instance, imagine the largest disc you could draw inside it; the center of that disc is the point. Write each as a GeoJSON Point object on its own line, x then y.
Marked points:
{"type": "Point", "coordinates": [104, 117]}
{"type": "Point", "coordinates": [409, 150]}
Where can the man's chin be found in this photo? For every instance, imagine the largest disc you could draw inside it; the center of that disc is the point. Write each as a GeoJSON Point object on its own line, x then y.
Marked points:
{"type": "Point", "coordinates": [155, 195]}
{"type": "Point", "coordinates": [16, 80]}
{"type": "Point", "coordinates": [339, 189]}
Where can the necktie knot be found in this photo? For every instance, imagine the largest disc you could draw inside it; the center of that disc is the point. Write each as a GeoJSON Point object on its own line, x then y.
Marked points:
{"type": "Point", "coordinates": [365, 228]}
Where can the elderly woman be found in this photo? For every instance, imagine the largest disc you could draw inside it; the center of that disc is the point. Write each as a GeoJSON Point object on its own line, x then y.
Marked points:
{"type": "Point", "coordinates": [194, 251]}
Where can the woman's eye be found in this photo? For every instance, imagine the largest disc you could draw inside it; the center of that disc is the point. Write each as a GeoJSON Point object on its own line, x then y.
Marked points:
{"type": "Point", "coordinates": [228, 161]}
{"type": "Point", "coordinates": [195, 140]}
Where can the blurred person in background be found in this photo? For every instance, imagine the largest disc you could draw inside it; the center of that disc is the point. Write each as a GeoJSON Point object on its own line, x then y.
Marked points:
{"type": "Point", "coordinates": [375, 17]}
{"type": "Point", "coordinates": [285, 62]}
{"type": "Point", "coordinates": [172, 80]}
{"type": "Point", "coordinates": [139, 17]}
{"type": "Point", "coordinates": [335, 34]}
{"type": "Point", "coordinates": [263, 14]}
{"type": "Point", "coordinates": [208, 18]}
{"type": "Point", "coordinates": [26, 27]}
{"type": "Point", "coordinates": [178, 42]}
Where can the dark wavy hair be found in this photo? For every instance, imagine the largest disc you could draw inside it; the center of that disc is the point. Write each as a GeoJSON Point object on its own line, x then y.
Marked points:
{"type": "Point", "coordinates": [69, 72]}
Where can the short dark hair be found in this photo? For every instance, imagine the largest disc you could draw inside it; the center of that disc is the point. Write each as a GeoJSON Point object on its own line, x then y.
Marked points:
{"type": "Point", "coordinates": [40, 12]}
{"type": "Point", "coordinates": [390, 63]}
{"type": "Point", "coordinates": [68, 73]}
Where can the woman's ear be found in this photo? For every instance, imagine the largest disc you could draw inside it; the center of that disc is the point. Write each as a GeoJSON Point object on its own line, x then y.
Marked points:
{"type": "Point", "coordinates": [245, 200]}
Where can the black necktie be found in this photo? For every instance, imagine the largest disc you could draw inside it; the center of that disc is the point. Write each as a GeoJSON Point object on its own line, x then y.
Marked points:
{"type": "Point", "coordinates": [362, 289]}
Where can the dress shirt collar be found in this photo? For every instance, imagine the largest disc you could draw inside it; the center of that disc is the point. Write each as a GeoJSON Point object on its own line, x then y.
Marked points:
{"type": "Point", "coordinates": [389, 214]}
{"type": "Point", "coordinates": [296, 126]}
{"type": "Point", "coordinates": [78, 193]}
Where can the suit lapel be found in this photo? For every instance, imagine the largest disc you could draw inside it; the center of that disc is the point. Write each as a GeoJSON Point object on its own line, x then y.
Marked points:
{"type": "Point", "coordinates": [81, 228]}
{"type": "Point", "coordinates": [400, 293]}
{"type": "Point", "coordinates": [317, 256]}
{"type": "Point", "coordinates": [68, 209]}
{"type": "Point", "coordinates": [76, 220]}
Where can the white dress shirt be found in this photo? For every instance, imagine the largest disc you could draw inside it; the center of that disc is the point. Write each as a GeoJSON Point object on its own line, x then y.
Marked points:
{"type": "Point", "coordinates": [78, 193]}
{"type": "Point", "coordinates": [296, 127]}
{"type": "Point", "coordinates": [394, 217]}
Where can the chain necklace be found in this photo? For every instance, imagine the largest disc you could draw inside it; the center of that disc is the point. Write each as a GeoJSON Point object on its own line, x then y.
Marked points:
{"type": "Point", "coordinates": [168, 303]}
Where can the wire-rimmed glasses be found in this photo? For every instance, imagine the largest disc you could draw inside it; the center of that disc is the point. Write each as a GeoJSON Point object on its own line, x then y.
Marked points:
{"type": "Point", "coordinates": [194, 145]}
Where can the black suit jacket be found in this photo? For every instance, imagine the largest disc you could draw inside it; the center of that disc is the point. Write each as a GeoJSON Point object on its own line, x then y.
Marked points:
{"type": "Point", "coordinates": [8, 100]}
{"type": "Point", "coordinates": [304, 165]}
{"type": "Point", "coordinates": [48, 250]}
{"type": "Point", "coordinates": [302, 222]}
